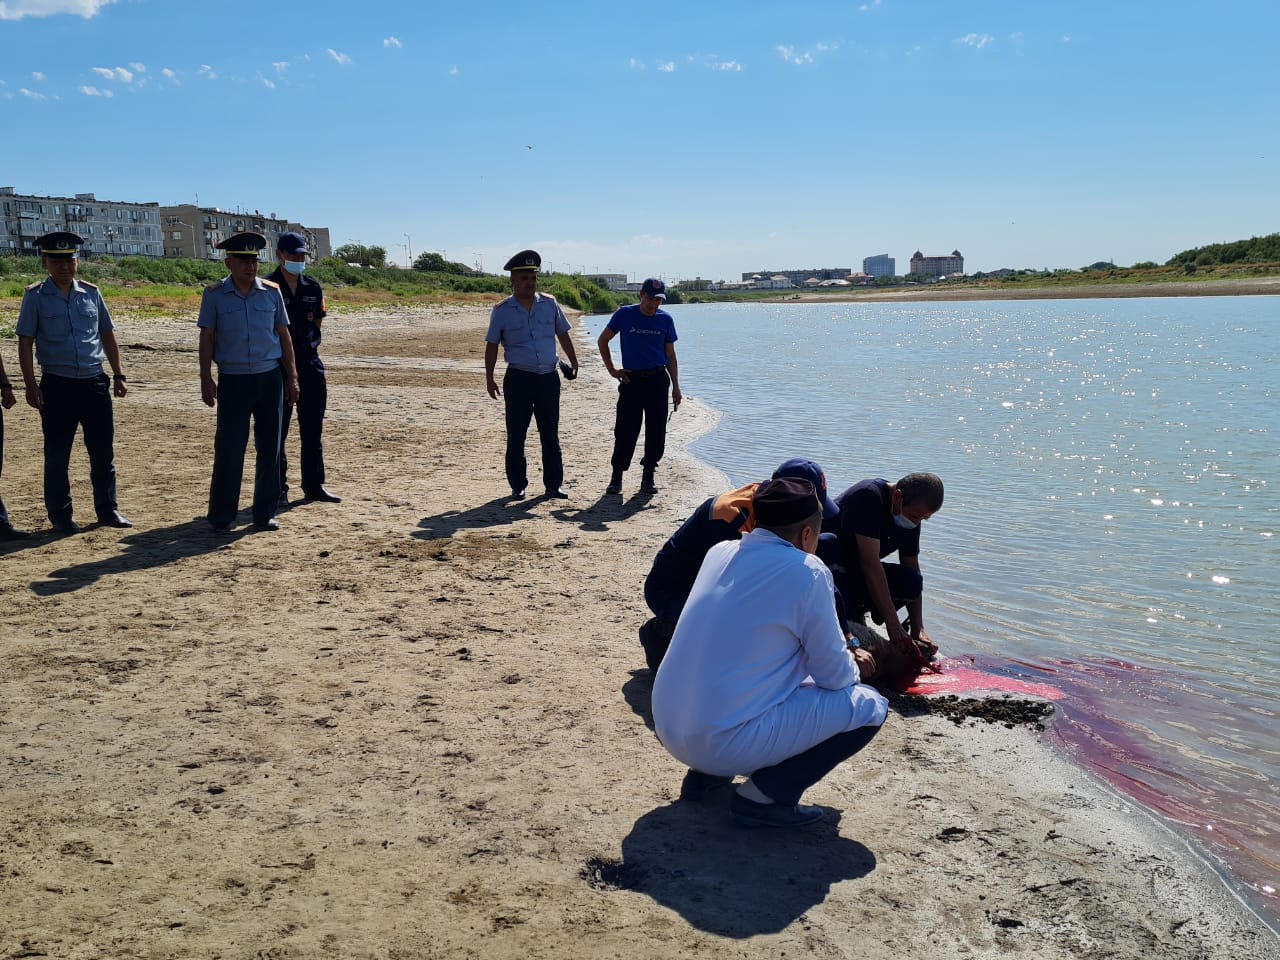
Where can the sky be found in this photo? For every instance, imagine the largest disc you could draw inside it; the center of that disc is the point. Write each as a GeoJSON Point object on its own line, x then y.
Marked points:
{"type": "Point", "coordinates": [676, 139]}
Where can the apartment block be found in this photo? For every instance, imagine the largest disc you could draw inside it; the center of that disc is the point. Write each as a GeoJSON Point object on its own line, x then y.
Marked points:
{"type": "Point", "coordinates": [195, 232]}
{"type": "Point", "coordinates": [881, 265]}
{"type": "Point", "coordinates": [109, 227]}
{"type": "Point", "coordinates": [936, 266]}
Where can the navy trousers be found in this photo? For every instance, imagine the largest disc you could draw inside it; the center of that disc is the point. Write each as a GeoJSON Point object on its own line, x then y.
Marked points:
{"type": "Point", "coordinates": [533, 396]}
{"type": "Point", "coordinates": [313, 398]}
{"type": "Point", "coordinates": [852, 595]}
{"type": "Point", "coordinates": [785, 782]}
{"type": "Point", "coordinates": [70, 403]}
{"type": "Point", "coordinates": [644, 398]}
{"type": "Point", "coordinates": [260, 396]}
{"type": "Point", "coordinates": [4, 514]}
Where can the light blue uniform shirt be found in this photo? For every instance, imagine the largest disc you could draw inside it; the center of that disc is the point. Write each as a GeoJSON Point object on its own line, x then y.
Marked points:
{"type": "Point", "coordinates": [528, 337]}
{"type": "Point", "coordinates": [67, 330]}
{"type": "Point", "coordinates": [246, 329]}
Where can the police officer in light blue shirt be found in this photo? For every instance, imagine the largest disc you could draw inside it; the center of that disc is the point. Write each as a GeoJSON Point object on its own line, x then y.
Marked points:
{"type": "Point", "coordinates": [244, 329]}
{"type": "Point", "coordinates": [64, 323]}
{"type": "Point", "coordinates": [528, 325]}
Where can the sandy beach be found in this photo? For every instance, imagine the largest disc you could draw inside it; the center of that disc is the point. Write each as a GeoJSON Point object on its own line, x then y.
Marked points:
{"type": "Point", "coordinates": [415, 724]}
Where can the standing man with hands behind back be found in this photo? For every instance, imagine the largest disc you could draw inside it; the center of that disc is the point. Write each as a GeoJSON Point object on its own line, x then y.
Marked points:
{"type": "Point", "coordinates": [304, 302]}
{"type": "Point", "coordinates": [648, 337]}
{"type": "Point", "coordinates": [528, 324]}
{"type": "Point", "coordinates": [245, 330]}
{"type": "Point", "coordinates": [68, 326]}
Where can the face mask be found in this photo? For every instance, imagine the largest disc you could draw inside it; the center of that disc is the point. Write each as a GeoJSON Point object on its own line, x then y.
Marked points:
{"type": "Point", "coordinates": [295, 267]}
{"type": "Point", "coordinates": [903, 522]}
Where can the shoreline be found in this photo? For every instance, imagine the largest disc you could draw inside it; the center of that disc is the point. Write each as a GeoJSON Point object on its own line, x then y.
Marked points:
{"type": "Point", "coordinates": [415, 723]}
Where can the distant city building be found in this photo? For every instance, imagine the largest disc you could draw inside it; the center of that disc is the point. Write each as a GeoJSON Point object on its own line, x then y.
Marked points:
{"type": "Point", "coordinates": [923, 266]}
{"type": "Point", "coordinates": [881, 265]}
{"type": "Point", "coordinates": [108, 227]}
{"type": "Point", "coordinates": [195, 232]}
{"type": "Point", "coordinates": [798, 277]}
{"type": "Point", "coordinates": [610, 281]}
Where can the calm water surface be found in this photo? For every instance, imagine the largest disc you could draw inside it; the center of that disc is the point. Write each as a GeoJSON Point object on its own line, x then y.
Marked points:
{"type": "Point", "coordinates": [1112, 519]}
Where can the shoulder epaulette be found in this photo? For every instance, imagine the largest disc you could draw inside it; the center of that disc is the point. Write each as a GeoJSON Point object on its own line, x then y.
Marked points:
{"type": "Point", "coordinates": [35, 286]}
{"type": "Point", "coordinates": [549, 297]}
{"type": "Point", "coordinates": [269, 283]}
{"type": "Point", "coordinates": [214, 286]}
{"type": "Point", "coordinates": [86, 283]}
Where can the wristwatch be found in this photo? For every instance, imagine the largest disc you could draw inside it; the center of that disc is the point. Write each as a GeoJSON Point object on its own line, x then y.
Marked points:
{"type": "Point", "coordinates": [121, 377]}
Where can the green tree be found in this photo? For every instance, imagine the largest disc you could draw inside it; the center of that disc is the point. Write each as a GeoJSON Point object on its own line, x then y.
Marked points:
{"type": "Point", "coordinates": [365, 256]}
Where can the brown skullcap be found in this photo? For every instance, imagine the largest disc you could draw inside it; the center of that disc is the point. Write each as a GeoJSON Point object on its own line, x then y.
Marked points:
{"type": "Point", "coordinates": [779, 503]}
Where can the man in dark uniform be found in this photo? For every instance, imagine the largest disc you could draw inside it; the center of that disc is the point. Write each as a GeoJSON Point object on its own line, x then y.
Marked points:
{"type": "Point", "coordinates": [648, 338]}
{"type": "Point", "coordinates": [65, 324]}
{"type": "Point", "coordinates": [878, 518]}
{"type": "Point", "coordinates": [528, 324]}
{"type": "Point", "coordinates": [244, 328]}
{"type": "Point", "coordinates": [7, 400]}
{"type": "Point", "coordinates": [304, 301]}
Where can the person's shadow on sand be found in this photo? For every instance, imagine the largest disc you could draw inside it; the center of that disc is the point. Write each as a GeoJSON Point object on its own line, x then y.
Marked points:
{"type": "Point", "coordinates": [638, 692]}
{"type": "Point", "coordinates": [492, 514]}
{"type": "Point", "coordinates": [142, 550]}
{"type": "Point", "coordinates": [726, 880]}
{"type": "Point", "coordinates": [608, 509]}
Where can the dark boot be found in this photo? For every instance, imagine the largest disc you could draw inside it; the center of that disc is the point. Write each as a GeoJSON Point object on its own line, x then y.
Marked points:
{"type": "Point", "coordinates": [647, 484]}
{"type": "Point", "coordinates": [615, 483]}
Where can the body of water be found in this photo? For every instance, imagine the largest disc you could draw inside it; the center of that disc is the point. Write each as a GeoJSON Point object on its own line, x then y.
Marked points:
{"type": "Point", "coordinates": [1112, 515]}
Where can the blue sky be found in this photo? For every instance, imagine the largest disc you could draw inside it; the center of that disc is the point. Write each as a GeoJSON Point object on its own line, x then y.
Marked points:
{"type": "Point", "coordinates": [698, 138]}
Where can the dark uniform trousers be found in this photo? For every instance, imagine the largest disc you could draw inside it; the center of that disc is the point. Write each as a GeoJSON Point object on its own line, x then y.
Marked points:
{"type": "Point", "coordinates": [784, 782]}
{"type": "Point", "coordinates": [853, 599]}
{"type": "Point", "coordinates": [313, 398]}
{"type": "Point", "coordinates": [4, 514]}
{"type": "Point", "coordinates": [260, 395]}
{"type": "Point", "coordinates": [645, 397]}
{"type": "Point", "coordinates": [537, 396]}
{"type": "Point", "coordinates": [69, 403]}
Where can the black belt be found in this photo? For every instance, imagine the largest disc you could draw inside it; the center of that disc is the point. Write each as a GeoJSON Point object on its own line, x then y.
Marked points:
{"type": "Point", "coordinates": [646, 374]}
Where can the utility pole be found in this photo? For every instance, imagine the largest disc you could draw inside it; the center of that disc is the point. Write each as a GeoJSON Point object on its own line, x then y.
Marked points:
{"type": "Point", "coordinates": [408, 245]}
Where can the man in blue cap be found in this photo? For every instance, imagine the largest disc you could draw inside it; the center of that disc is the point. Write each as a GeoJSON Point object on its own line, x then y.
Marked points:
{"type": "Point", "coordinates": [726, 517]}
{"type": "Point", "coordinates": [7, 399]}
{"type": "Point", "coordinates": [528, 324]}
{"type": "Point", "coordinates": [304, 301]}
{"type": "Point", "coordinates": [244, 328]}
{"type": "Point", "coordinates": [66, 325]}
{"type": "Point", "coordinates": [758, 680]}
{"type": "Point", "coordinates": [647, 335]}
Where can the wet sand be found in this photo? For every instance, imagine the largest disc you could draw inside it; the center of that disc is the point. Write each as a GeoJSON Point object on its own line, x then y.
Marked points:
{"type": "Point", "coordinates": [415, 724]}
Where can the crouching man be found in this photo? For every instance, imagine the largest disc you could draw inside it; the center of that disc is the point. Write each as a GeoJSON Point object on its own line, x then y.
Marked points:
{"type": "Point", "coordinates": [758, 680]}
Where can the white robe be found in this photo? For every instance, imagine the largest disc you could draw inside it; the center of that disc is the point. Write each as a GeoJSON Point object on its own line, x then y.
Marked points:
{"type": "Point", "coordinates": [758, 670]}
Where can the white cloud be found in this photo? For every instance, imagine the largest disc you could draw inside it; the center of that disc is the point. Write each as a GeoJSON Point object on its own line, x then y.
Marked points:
{"type": "Point", "coordinates": [789, 54]}
{"type": "Point", "coordinates": [118, 73]}
{"type": "Point", "coordinates": [207, 72]}
{"type": "Point", "coordinates": [138, 67]}
{"type": "Point", "coordinates": [392, 42]}
{"type": "Point", "coordinates": [635, 64]}
{"type": "Point", "coordinates": [17, 9]}
{"type": "Point", "coordinates": [95, 92]}
{"type": "Point", "coordinates": [731, 66]}
{"type": "Point", "coordinates": [1067, 38]}
{"type": "Point", "coordinates": [31, 93]}
{"type": "Point", "coordinates": [168, 74]}
{"type": "Point", "coordinates": [976, 40]}
{"type": "Point", "coordinates": [668, 67]}
{"type": "Point", "coordinates": [454, 71]}
{"type": "Point", "coordinates": [37, 75]}
{"type": "Point", "coordinates": [341, 58]}
{"type": "Point", "coordinates": [269, 84]}
{"type": "Point", "coordinates": [280, 65]}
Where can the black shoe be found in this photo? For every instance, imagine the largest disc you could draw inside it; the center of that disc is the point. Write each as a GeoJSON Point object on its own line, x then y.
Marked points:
{"type": "Point", "coordinates": [9, 532]}
{"type": "Point", "coordinates": [647, 484]}
{"type": "Point", "coordinates": [323, 495]}
{"type": "Point", "coordinates": [67, 526]}
{"type": "Point", "coordinates": [615, 484]}
{"type": "Point", "coordinates": [698, 786]}
{"type": "Point", "coordinates": [115, 519]}
{"type": "Point", "coordinates": [655, 638]}
{"type": "Point", "coordinates": [748, 813]}
{"type": "Point", "coordinates": [271, 523]}
{"type": "Point", "coordinates": [518, 494]}
{"type": "Point", "coordinates": [556, 493]}
{"type": "Point", "coordinates": [219, 527]}
{"type": "Point", "coordinates": [284, 497]}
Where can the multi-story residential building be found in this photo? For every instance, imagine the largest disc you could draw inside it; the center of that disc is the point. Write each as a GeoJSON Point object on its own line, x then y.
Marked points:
{"type": "Point", "coordinates": [881, 265]}
{"type": "Point", "coordinates": [610, 281]}
{"type": "Point", "coordinates": [923, 266]}
{"type": "Point", "coordinates": [195, 232]}
{"type": "Point", "coordinates": [108, 227]}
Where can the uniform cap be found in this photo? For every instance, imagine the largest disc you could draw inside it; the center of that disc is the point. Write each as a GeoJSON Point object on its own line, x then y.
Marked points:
{"type": "Point", "coordinates": [808, 470]}
{"type": "Point", "coordinates": [292, 243]}
{"type": "Point", "coordinates": [524, 260]}
{"type": "Point", "coordinates": [59, 244]}
{"type": "Point", "coordinates": [779, 503]}
{"type": "Point", "coordinates": [655, 288]}
{"type": "Point", "coordinates": [245, 244]}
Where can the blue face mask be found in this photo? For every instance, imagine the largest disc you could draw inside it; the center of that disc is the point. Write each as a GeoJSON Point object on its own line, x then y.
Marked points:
{"type": "Point", "coordinates": [295, 267]}
{"type": "Point", "coordinates": [903, 522]}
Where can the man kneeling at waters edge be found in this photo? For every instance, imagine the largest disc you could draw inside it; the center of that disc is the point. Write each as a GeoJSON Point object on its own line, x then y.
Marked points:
{"type": "Point", "coordinates": [758, 680]}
